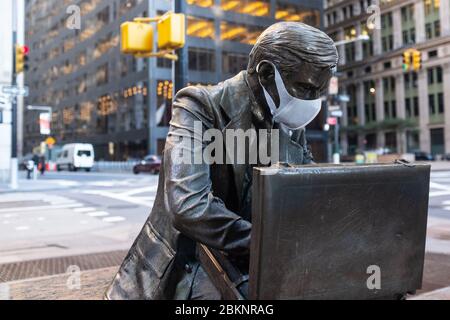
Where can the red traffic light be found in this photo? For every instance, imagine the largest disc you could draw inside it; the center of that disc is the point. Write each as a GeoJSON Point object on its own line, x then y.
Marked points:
{"type": "Point", "coordinates": [25, 50]}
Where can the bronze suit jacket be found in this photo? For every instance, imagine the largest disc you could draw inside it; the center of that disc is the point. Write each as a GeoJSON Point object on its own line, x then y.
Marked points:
{"type": "Point", "coordinates": [200, 202]}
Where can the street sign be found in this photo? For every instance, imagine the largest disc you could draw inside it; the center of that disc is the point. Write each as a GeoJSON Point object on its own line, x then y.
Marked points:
{"type": "Point", "coordinates": [334, 86]}
{"type": "Point", "coordinates": [50, 141]}
{"type": "Point", "coordinates": [44, 123]}
{"type": "Point", "coordinates": [344, 98]}
{"type": "Point", "coordinates": [337, 114]}
{"type": "Point", "coordinates": [15, 91]}
{"type": "Point", "coordinates": [332, 121]}
{"type": "Point", "coordinates": [334, 108]}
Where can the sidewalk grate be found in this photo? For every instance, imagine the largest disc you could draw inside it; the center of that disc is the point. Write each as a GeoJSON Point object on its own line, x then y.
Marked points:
{"type": "Point", "coordinates": [53, 266]}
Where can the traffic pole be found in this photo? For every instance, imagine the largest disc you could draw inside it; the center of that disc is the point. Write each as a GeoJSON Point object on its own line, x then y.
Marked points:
{"type": "Point", "coordinates": [14, 162]}
{"type": "Point", "coordinates": [180, 68]}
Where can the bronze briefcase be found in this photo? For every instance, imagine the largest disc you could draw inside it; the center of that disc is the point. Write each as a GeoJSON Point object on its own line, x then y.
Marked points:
{"type": "Point", "coordinates": [338, 232]}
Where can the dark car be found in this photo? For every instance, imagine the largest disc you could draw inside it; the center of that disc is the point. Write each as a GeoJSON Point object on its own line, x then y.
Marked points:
{"type": "Point", "coordinates": [423, 156]}
{"type": "Point", "coordinates": [150, 164]}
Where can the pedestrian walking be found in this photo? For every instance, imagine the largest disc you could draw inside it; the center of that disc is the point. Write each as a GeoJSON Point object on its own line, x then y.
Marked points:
{"type": "Point", "coordinates": [42, 165]}
{"type": "Point", "coordinates": [30, 168]}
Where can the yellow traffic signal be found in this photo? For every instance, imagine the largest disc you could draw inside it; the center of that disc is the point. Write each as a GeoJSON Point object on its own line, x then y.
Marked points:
{"type": "Point", "coordinates": [172, 31]}
{"type": "Point", "coordinates": [407, 60]}
{"type": "Point", "coordinates": [136, 38]}
{"type": "Point", "coordinates": [21, 58]}
{"type": "Point", "coordinates": [417, 60]}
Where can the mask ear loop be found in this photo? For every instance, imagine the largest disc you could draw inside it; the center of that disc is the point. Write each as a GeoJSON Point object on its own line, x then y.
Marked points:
{"type": "Point", "coordinates": [269, 100]}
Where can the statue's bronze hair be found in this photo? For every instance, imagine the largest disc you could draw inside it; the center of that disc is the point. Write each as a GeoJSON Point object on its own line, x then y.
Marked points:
{"type": "Point", "coordinates": [287, 44]}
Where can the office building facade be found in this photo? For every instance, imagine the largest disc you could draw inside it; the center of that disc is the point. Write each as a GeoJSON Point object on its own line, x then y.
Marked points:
{"type": "Point", "coordinates": [122, 104]}
{"type": "Point", "coordinates": [393, 107]}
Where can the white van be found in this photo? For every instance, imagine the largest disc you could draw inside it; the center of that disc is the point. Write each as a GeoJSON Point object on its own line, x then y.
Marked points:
{"type": "Point", "coordinates": [76, 156]}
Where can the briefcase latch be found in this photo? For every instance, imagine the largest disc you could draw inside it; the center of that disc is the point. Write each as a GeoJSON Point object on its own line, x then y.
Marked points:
{"type": "Point", "coordinates": [405, 163]}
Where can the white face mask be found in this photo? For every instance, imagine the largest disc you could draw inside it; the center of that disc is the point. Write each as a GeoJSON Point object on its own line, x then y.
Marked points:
{"type": "Point", "coordinates": [294, 113]}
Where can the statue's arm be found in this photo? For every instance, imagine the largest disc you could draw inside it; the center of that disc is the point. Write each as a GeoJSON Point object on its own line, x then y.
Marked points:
{"type": "Point", "coordinates": [196, 212]}
{"type": "Point", "coordinates": [301, 140]}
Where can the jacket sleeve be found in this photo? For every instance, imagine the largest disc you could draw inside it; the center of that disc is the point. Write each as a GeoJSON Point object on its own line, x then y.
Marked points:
{"type": "Point", "coordinates": [308, 157]}
{"type": "Point", "coordinates": [300, 138]}
{"type": "Point", "coordinates": [196, 212]}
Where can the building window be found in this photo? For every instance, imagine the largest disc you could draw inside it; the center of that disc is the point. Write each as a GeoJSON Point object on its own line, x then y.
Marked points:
{"type": "Point", "coordinates": [435, 75]}
{"type": "Point", "coordinates": [101, 76]}
{"type": "Point", "coordinates": [200, 28]}
{"type": "Point", "coordinates": [387, 35]}
{"type": "Point", "coordinates": [391, 141]}
{"type": "Point", "coordinates": [233, 63]}
{"type": "Point", "coordinates": [202, 59]}
{"type": "Point", "coordinates": [239, 33]}
{"type": "Point", "coordinates": [432, 54]}
{"type": "Point", "coordinates": [201, 3]}
{"type": "Point", "coordinates": [297, 14]}
{"type": "Point", "coordinates": [257, 8]}
{"type": "Point", "coordinates": [390, 105]}
{"type": "Point", "coordinates": [432, 19]}
{"type": "Point", "coordinates": [164, 96]}
{"type": "Point", "coordinates": [164, 63]}
{"type": "Point", "coordinates": [367, 46]}
{"type": "Point", "coordinates": [350, 49]}
{"type": "Point", "coordinates": [369, 101]}
{"type": "Point", "coordinates": [408, 25]}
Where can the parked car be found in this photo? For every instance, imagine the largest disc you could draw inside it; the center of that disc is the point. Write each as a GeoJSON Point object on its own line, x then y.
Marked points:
{"type": "Point", "coordinates": [151, 164]}
{"type": "Point", "coordinates": [75, 157]}
{"type": "Point", "coordinates": [423, 156]}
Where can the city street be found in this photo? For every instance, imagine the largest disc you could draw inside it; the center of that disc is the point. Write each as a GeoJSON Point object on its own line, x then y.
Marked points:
{"type": "Point", "coordinates": [74, 213]}
{"type": "Point", "coordinates": [91, 219]}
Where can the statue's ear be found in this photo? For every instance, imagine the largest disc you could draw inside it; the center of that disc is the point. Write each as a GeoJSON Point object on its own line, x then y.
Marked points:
{"type": "Point", "coordinates": [266, 73]}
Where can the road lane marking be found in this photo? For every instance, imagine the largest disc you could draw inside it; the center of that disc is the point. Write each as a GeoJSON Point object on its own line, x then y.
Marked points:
{"type": "Point", "coordinates": [22, 228]}
{"type": "Point", "coordinates": [98, 214]}
{"type": "Point", "coordinates": [63, 206]}
{"type": "Point", "coordinates": [114, 219]}
{"type": "Point", "coordinates": [84, 210]}
{"type": "Point", "coordinates": [119, 196]}
{"type": "Point", "coordinates": [140, 190]}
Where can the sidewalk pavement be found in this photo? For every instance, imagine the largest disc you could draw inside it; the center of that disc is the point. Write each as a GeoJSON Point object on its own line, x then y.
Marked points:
{"type": "Point", "coordinates": [440, 165]}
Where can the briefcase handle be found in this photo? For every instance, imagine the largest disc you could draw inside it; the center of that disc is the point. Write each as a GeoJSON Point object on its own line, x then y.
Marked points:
{"type": "Point", "coordinates": [405, 163]}
{"type": "Point", "coordinates": [225, 277]}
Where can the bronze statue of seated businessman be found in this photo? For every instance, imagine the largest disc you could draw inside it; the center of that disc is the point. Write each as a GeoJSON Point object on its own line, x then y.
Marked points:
{"type": "Point", "coordinates": [209, 202]}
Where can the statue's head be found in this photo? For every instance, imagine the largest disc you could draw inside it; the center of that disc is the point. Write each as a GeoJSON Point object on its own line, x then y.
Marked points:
{"type": "Point", "coordinates": [304, 56]}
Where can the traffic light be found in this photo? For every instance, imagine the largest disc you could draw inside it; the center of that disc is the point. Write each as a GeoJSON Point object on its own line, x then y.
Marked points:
{"type": "Point", "coordinates": [417, 60]}
{"type": "Point", "coordinates": [172, 31]}
{"type": "Point", "coordinates": [137, 38]}
{"type": "Point", "coordinates": [21, 58]}
{"type": "Point", "coordinates": [407, 60]}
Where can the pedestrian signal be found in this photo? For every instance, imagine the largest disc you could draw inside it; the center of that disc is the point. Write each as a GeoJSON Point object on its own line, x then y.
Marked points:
{"type": "Point", "coordinates": [417, 60]}
{"type": "Point", "coordinates": [136, 38]}
{"type": "Point", "coordinates": [172, 31]}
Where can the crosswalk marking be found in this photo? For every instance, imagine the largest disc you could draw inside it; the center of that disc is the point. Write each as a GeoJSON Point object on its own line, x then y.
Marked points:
{"type": "Point", "coordinates": [84, 209]}
{"type": "Point", "coordinates": [113, 219]}
{"type": "Point", "coordinates": [22, 228]}
{"type": "Point", "coordinates": [98, 214]}
{"type": "Point", "coordinates": [50, 207]}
